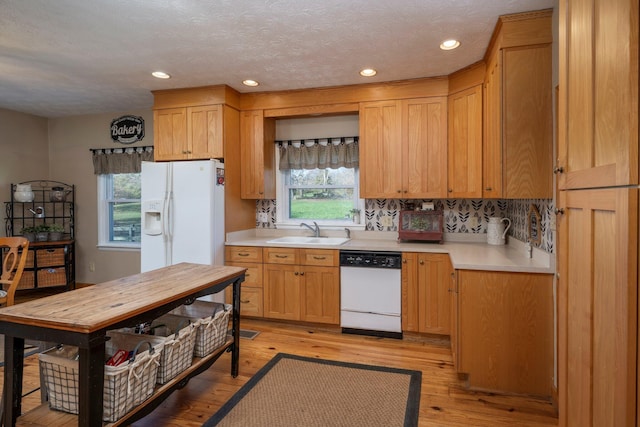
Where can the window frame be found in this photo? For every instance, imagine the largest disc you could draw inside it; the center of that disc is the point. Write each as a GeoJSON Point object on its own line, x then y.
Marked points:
{"type": "Point", "coordinates": [105, 182]}
{"type": "Point", "coordinates": [282, 202]}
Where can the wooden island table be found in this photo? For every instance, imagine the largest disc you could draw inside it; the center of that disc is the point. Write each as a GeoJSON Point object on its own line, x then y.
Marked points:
{"type": "Point", "coordinates": [82, 318]}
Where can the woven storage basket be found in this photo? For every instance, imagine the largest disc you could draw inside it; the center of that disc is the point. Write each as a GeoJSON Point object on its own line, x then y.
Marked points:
{"type": "Point", "coordinates": [213, 324]}
{"type": "Point", "coordinates": [177, 353]}
{"type": "Point", "coordinates": [125, 386]}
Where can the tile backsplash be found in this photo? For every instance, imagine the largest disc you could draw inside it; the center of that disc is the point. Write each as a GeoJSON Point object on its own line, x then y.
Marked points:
{"type": "Point", "coordinates": [460, 215]}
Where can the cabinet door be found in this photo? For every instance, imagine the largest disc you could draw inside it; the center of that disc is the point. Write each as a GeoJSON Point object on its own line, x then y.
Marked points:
{"type": "Point", "coordinates": [598, 307]}
{"type": "Point", "coordinates": [257, 156]}
{"type": "Point", "coordinates": [380, 150]}
{"type": "Point", "coordinates": [205, 126]}
{"type": "Point", "coordinates": [434, 277]}
{"type": "Point", "coordinates": [410, 300]}
{"type": "Point", "coordinates": [282, 291]}
{"type": "Point", "coordinates": [465, 143]}
{"type": "Point", "coordinates": [170, 134]}
{"type": "Point", "coordinates": [527, 123]}
{"type": "Point", "coordinates": [424, 158]}
{"type": "Point", "coordinates": [505, 329]}
{"type": "Point", "coordinates": [598, 82]}
{"type": "Point", "coordinates": [320, 294]}
{"type": "Point", "coordinates": [492, 143]}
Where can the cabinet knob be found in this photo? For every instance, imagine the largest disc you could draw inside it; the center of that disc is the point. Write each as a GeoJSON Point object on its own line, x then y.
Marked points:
{"type": "Point", "coordinates": [488, 189]}
{"type": "Point", "coordinates": [302, 273]}
{"type": "Point", "coordinates": [421, 262]}
{"type": "Point", "coordinates": [559, 211]}
{"type": "Point", "coordinates": [399, 191]}
{"type": "Point", "coordinates": [404, 261]}
{"type": "Point", "coordinates": [558, 169]}
{"type": "Point", "coordinates": [450, 190]}
{"type": "Point", "coordinates": [296, 273]}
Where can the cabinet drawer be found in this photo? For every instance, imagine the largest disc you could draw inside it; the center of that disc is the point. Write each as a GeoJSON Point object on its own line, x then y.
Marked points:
{"type": "Point", "coordinates": [281, 255]}
{"type": "Point", "coordinates": [243, 253]}
{"type": "Point", "coordinates": [320, 257]}
{"type": "Point", "coordinates": [253, 276]}
{"type": "Point", "coordinates": [250, 300]}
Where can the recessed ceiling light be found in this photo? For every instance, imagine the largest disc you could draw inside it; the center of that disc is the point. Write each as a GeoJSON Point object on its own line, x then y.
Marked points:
{"type": "Point", "coordinates": [250, 82]}
{"type": "Point", "coordinates": [449, 44]}
{"type": "Point", "coordinates": [368, 72]}
{"type": "Point", "coordinates": [160, 75]}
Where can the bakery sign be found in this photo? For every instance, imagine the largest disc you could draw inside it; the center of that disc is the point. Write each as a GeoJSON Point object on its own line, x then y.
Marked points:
{"type": "Point", "coordinates": [127, 129]}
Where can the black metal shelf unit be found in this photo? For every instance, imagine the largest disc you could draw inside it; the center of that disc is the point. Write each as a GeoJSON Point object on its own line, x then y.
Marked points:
{"type": "Point", "coordinates": [58, 210]}
{"type": "Point", "coordinates": [50, 262]}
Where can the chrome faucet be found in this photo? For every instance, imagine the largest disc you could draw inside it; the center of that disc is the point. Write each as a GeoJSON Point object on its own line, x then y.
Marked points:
{"type": "Point", "coordinates": [316, 230]}
{"type": "Point", "coordinates": [348, 232]}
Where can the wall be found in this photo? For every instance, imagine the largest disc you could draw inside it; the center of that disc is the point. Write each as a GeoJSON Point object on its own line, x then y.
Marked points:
{"type": "Point", "coordinates": [24, 152]}
{"type": "Point", "coordinates": [458, 213]}
{"type": "Point", "coordinates": [70, 139]}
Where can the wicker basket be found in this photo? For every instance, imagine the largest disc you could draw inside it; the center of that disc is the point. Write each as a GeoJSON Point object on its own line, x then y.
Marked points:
{"type": "Point", "coordinates": [213, 321]}
{"type": "Point", "coordinates": [177, 348]}
{"type": "Point", "coordinates": [125, 386]}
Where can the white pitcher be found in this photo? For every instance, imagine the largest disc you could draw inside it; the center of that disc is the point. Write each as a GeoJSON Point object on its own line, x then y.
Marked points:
{"type": "Point", "coordinates": [496, 230]}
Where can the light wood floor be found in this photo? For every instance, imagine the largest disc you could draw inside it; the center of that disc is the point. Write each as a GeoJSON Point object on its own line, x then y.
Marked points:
{"type": "Point", "coordinates": [444, 401]}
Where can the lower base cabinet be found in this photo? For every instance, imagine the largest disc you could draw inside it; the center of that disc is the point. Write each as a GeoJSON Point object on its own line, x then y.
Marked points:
{"type": "Point", "coordinates": [504, 339]}
{"type": "Point", "coordinates": [251, 291]}
{"type": "Point", "coordinates": [302, 284]}
{"type": "Point", "coordinates": [426, 285]}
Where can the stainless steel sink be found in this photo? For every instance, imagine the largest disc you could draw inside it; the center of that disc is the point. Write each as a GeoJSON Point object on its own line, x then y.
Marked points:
{"type": "Point", "coordinates": [304, 240]}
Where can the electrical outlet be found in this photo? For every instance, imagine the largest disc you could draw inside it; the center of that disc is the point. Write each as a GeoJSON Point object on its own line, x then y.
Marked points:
{"type": "Point", "coordinates": [92, 266]}
{"type": "Point", "coordinates": [386, 221]}
{"type": "Point", "coordinates": [262, 217]}
{"type": "Point", "coordinates": [473, 222]}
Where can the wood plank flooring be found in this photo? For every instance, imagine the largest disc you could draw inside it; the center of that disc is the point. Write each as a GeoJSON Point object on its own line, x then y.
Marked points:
{"type": "Point", "coordinates": [444, 399]}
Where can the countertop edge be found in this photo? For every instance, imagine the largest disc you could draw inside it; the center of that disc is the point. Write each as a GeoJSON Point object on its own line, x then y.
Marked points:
{"type": "Point", "coordinates": [463, 256]}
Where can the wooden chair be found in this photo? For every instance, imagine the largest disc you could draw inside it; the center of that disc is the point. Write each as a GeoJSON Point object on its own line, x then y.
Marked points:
{"type": "Point", "coordinates": [14, 257]}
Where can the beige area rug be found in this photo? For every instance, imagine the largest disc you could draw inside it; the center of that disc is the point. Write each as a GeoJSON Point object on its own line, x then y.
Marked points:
{"type": "Point", "coordinates": [306, 392]}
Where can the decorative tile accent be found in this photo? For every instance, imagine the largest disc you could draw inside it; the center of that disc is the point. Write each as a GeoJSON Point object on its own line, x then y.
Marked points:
{"type": "Point", "coordinates": [459, 215]}
{"type": "Point", "coordinates": [518, 212]}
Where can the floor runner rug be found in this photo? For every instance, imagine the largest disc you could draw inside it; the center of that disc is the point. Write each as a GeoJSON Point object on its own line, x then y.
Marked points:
{"type": "Point", "coordinates": [299, 391]}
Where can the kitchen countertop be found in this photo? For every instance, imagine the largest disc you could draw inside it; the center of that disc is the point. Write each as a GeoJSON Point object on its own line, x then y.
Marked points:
{"type": "Point", "coordinates": [470, 254]}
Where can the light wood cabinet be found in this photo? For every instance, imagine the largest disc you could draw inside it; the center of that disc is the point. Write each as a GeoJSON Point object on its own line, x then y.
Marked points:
{"type": "Point", "coordinates": [598, 306]}
{"type": "Point", "coordinates": [302, 284]}
{"type": "Point", "coordinates": [251, 290]}
{"type": "Point", "coordinates": [598, 105]}
{"type": "Point", "coordinates": [465, 144]}
{"type": "Point", "coordinates": [189, 133]}
{"type": "Point", "coordinates": [518, 124]}
{"type": "Point", "coordinates": [505, 331]}
{"type": "Point", "coordinates": [403, 148]}
{"type": "Point", "coordinates": [426, 282]}
{"type": "Point", "coordinates": [257, 155]}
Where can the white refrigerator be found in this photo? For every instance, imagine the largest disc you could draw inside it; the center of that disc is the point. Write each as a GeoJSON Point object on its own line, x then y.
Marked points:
{"type": "Point", "coordinates": [182, 213]}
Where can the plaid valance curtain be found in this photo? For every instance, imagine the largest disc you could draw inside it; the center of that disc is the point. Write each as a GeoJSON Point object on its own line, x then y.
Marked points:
{"type": "Point", "coordinates": [323, 153]}
{"type": "Point", "coordinates": [120, 160]}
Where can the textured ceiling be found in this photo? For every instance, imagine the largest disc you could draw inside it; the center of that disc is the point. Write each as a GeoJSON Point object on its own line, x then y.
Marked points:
{"type": "Point", "coordinates": [71, 57]}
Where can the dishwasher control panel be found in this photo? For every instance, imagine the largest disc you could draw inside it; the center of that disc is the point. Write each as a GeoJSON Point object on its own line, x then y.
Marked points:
{"type": "Point", "coordinates": [371, 259]}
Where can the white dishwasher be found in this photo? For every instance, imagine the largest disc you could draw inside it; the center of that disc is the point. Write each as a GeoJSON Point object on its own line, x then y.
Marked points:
{"type": "Point", "coordinates": [370, 293]}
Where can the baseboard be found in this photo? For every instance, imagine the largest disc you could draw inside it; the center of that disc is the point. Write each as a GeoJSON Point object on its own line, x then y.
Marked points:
{"type": "Point", "coordinates": [83, 285]}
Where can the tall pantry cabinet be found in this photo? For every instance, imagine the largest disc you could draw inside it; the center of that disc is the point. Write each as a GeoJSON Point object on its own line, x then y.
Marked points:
{"type": "Point", "coordinates": [597, 175]}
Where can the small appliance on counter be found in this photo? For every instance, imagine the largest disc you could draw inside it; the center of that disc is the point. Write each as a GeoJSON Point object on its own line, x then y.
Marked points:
{"type": "Point", "coordinates": [424, 225]}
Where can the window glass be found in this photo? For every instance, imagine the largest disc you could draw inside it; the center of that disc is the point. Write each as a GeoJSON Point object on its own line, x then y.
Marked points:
{"type": "Point", "coordinates": [323, 195]}
{"type": "Point", "coordinates": [119, 213]}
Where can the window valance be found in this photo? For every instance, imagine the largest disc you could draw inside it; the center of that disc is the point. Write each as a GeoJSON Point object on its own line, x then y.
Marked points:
{"type": "Point", "coordinates": [120, 160]}
{"type": "Point", "coordinates": [321, 153]}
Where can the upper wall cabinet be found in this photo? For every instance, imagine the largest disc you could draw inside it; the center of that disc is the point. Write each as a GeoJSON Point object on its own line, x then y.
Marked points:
{"type": "Point", "coordinates": [403, 148]}
{"type": "Point", "coordinates": [257, 155]}
{"type": "Point", "coordinates": [192, 123]}
{"type": "Point", "coordinates": [518, 124]}
{"type": "Point", "coordinates": [598, 102]}
{"type": "Point", "coordinates": [465, 143]}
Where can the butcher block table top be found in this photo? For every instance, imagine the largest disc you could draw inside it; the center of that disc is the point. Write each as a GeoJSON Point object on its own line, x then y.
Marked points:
{"type": "Point", "coordinates": [89, 309]}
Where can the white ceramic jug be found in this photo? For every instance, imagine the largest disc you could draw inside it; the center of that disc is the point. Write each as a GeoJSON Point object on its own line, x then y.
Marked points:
{"type": "Point", "coordinates": [23, 193]}
{"type": "Point", "coordinates": [496, 230]}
